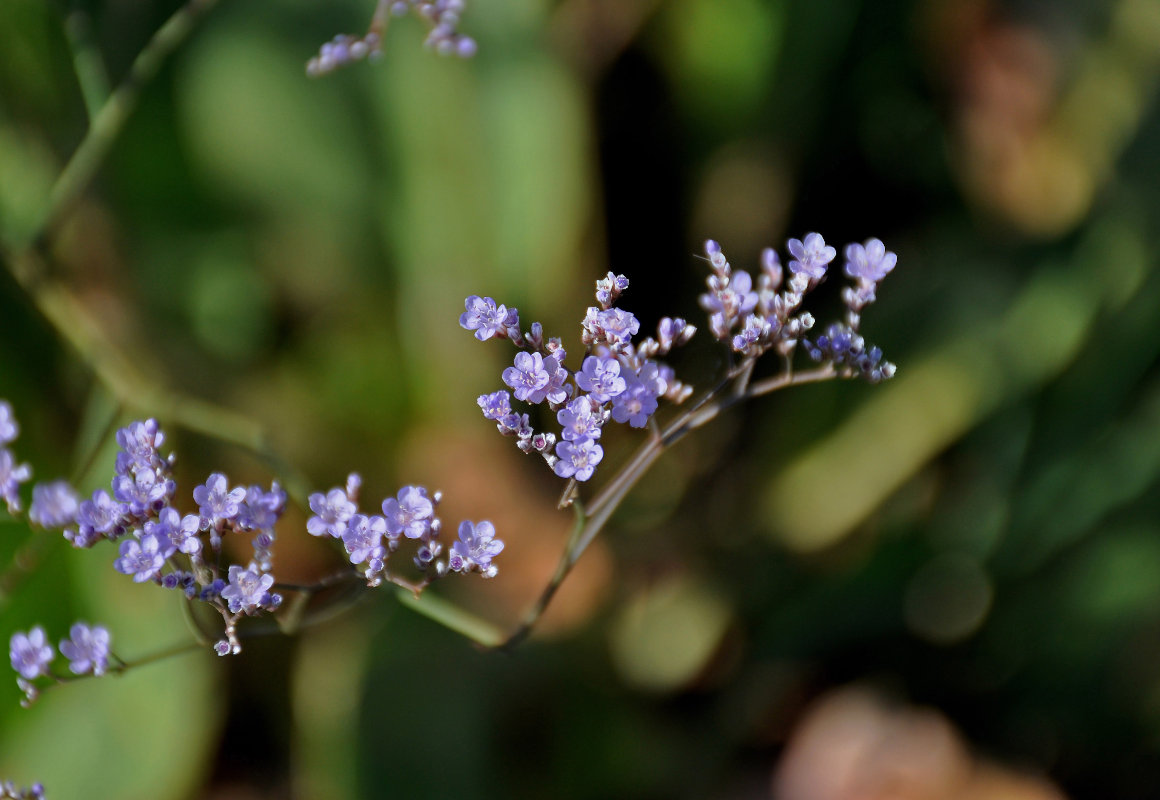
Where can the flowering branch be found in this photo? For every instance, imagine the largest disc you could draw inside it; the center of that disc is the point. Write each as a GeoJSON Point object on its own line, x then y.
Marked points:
{"type": "Point", "coordinates": [440, 16]}
{"type": "Point", "coordinates": [619, 381]}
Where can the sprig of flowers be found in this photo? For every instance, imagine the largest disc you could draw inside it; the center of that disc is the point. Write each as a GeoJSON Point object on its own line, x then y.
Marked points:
{"type": "Point", "coordinates": [158, 544]}
{"type": "Point", "coordinates": [441, 17]}
{"type": "Point", "coordinates": [618, 379]}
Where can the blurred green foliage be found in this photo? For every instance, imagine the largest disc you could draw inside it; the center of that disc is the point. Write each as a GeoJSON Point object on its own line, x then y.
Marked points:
{"type": "Point", "coordinates": [981, 535]}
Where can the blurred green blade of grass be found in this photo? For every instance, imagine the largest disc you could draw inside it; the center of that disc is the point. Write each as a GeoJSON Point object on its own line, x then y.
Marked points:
{"type": "Point", "coordinates": [936, 400]}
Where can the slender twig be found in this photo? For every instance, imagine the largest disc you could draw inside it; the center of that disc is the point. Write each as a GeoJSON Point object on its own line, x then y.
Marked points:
{"type": "Point", "coordinates": [108, 123]}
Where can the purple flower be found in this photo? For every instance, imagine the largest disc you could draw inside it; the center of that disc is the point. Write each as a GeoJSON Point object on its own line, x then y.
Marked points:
{"type": "Point", "coordinates": [496, 405]}
{"type": "Point", "coordinates": [477, 546]}
{"type": "Point", "coordinates": [261, 509]}
{"type": "Point", "coordinates": [169, 527]}
{"type": "Point", "coordinates": [579, 421]}
{"type": "Point", "coordinates": [54, 505]}
{"type": "Point", "coordinates": [613, 326]}
{"type": "Point", "coordinates": [185, 535]}
{"type": "Point", "coordinates": [484, 317]}
{"type": "Point", "coordinates": [101, 515]}
{"type": "Point", "coordinates": [609, 288]}
{"type": "Point", "coordinates": [600, 377]}
{"type": "Point", "coordinates": [31, 653]}
{"type": "Point", "coordinates": [248, 589]}
{"type": "Point", "coordinates": [143, 492]}
{"type": "Point", "coordinates": [217, 502]}
{"type": "Point", "coordinates": [534, 377]}
{"type": "Point", "coordinates": [11, 476]}
{"type": "Point", "coordinates": [577, 459]}
{"type": "Point", "coordinates": [144, 560]}
{"type": "Point", "coordinates": [771, 266]}
{"type": "Point", "coordinates": [332, 512]}
{"type": "Point", "coordinates": [869, 263]}
{"type": "Point", "coordinates": [728, 302]}
{"type": "Point", "coordinates": [363, 536]}
{"type": "Point", "coordinates": [755, 328]}
{"type": "Point", "coordinates": [411, 514]}
{"type": "Point", "coordinates": [811, 256]}
{"type": "Point", "coordinates": [87, 649]}
{"type": "Point", "coordinates": [639, 401]}
{"type": "Point", "coordinates": [139, 442]}
{"type": "Point", "coordinates": [9, 428]}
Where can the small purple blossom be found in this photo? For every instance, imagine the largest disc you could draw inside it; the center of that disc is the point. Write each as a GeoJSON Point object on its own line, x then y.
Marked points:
{"type": "Point", "coordinates": [9, 428]}
{"type": "Point", "coordinates": [609, 288]}
{"type": "Point", "coordinates": [755, 329]}
{"type": "Point", "coordinates": [363, 536]}
{"type": "Point", "coordinates": [577, 459]}
{"type": "Point", "coordinates": [811, 256]}
{"type": "Point", "coordinates": [11, 476]}
{"type": "Point", "coordinates": [612, 326]}
{"type": "Point", "coordinates": [139, 442]}
{"type": "Point", "coordinates": [869, 263]}
{"type": "Point", "coordinates": [145, 491]}
{"type": "Point", "coordinates": [261, 509]}
{"type": "Point", "coordinates": [496, 405]}
{"type": "Point", "coordinates": [31, 653]}
{"type": "Point", "coordinates": [54, 505]}
{"type": "Point", "coordinates": [639, 400]}
{"type": "Point", "coordinates": [728, 301]}
{"type": "Point", "coordinates": [332, 511]}
{"type": "Point", "coordinates": [217, 502]}
{"type": "Point", "coordinates": [534, 377]}
{"type": "Point", "coordinates": [771, 267]}
{"type": "Point", "coordinates": [484, 317]}
{"type": "Point", "coordinates": [102, 515]}
{"type": "Point", "coordinates": [87, 649]}
{"type": "Point", "coordinates": [600, 377]}
{"type": "Point", "coordinates": [578, 420]}
{"type": "Point", "coordinates": [145, 559]}
{"type": "Point", "coordinates": [476, 547]}
{"type": "Point", "coordinates": [411, 514]}
{"type": "Point", "coordinates": [248, 589]}
{"type": "Point", "coordinates": [185, 536]}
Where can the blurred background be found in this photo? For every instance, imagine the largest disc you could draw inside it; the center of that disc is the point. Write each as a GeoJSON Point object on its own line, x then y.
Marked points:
{"type": "Point", "coordinates": [947, 586]}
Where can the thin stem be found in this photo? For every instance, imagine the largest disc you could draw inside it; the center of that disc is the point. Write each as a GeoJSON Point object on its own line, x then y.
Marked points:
{"type": "Point", "coordinates": [108, 123]}
{"type": "Point", "coordinates": [90, 71]}
{"type": "Point", "coordinates": [152, 658]}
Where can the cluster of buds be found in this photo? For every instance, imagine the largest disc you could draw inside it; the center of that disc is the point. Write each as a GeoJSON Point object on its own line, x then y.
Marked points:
{"type": "Point", "coordinates": [441, 17]}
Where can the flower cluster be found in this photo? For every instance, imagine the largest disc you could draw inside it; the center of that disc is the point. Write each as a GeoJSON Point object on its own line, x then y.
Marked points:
{"type": "Point", "coordinates": [185, 552]}
{"type": "Point", "coordinates": [157, 543]}
{"type": "Point", "coordinates": [10, 791]}
{"type": "Point", "coordinates": [31, 654]}
{"type": "Point", "coordinates": [618, 379]}
{"type": "Point", "coordinates": [755, 317]}
{"type": "Point", "coordinates": [443, 36]}
{"type": "Point", "coordinates": [370, 540]}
